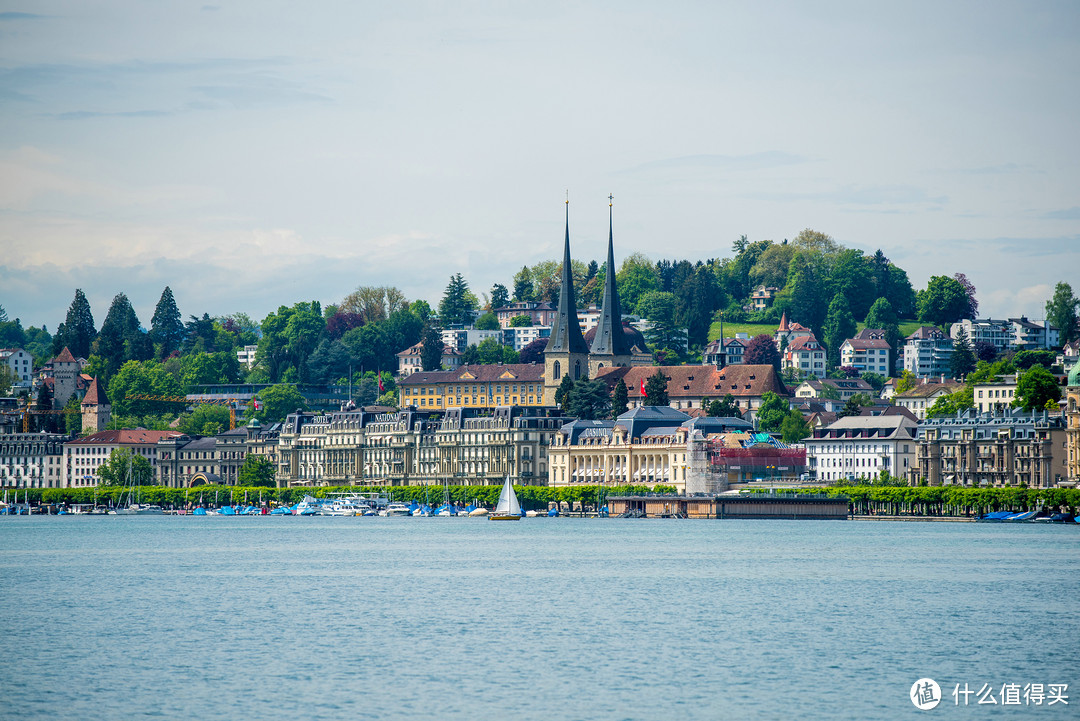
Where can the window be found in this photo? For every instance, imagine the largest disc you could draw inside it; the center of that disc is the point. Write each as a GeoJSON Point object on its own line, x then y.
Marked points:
{"type": "Point", "coordinates": [556, 371]}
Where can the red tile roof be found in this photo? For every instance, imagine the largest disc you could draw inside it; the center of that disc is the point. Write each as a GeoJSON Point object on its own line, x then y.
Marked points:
{"type": "Point", "coordinates": [95, 395]}
{"type": "Point", "coordinates": [124, 436]}
{"type": "Point", "coordinates": [64, 357]}
{"type": "Point", "coordinates": [521, 372]}
{"type": "Point", "coordinates": [700, 381]}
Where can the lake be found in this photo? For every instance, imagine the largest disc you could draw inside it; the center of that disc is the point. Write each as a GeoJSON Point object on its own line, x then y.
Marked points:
{"type": "Point", "coordinates": [444, 618]}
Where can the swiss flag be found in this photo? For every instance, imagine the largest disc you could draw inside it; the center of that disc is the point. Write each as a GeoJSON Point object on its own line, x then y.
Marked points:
{"type": "Point", "coordinates": [380, 383]}
{"type": "Point", "coordinates": [643, 388]}
{"type": "Point", "coordinates": [258, 406]}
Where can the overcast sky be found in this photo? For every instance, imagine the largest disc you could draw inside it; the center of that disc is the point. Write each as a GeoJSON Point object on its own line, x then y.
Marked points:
{"type": "Point", "coordinates": [253, 154]}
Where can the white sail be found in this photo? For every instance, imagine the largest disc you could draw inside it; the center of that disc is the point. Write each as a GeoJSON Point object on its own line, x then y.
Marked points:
{"type": "Point", "coordinates": [508, 503]}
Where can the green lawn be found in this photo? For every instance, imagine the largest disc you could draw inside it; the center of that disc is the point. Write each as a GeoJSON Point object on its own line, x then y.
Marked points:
{"type": "Point", "coordinates": [753, 329]}
{"type": "Point", "coordinates": [907, 327]}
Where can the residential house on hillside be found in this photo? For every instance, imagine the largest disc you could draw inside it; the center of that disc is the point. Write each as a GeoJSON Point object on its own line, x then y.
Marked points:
{"type": "Point", "coordinates": [541, 313]}
{"type": "Point", "coordinates": [1013, 334]}
{"type": "Point", "coordinates": [726, 351]}
{"type": "Point", "coordinates": [410, 360]}
{"type": "Point", "coordinates": [996, 395]}
{"type": "Point", "coordinates": [839, 389]}
{"type": "Point", "coordinates": [762, 297]}
{"type": "Point", "coordinates": [927, 352]}
{"type": "Point", "coordinates": [921, 397]}
{"type": "Point", "coordinates": [868, 351]}
{"type": "Point", "coordinates": [804, 354]}
{"type": "Point", "coordinates": [21, 365]}
{"type": "Point", "coordinates": [787, 332]}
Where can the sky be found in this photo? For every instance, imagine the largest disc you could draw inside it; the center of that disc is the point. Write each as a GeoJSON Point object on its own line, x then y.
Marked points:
{"type": "Point", "coordinates": [255, 154]}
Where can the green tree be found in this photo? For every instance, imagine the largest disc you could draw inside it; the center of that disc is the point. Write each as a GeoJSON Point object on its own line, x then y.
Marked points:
{"type": "Point", "coordinates": [276, 402]}
{"type": "Point", "coordinates": [456, 307]}
{"type": "Point", "coordinates": [487, 321]}
{"type": "Point", "coordinates": [656, 389]}
{"type": "Point", "coordinates": [562, 393]}
{"type": "Point", "coordinates": [794, 427]}
{"type": "Point", "coordinates": [521, 321]}
{"type": "Point", "coordinates": [948, 405]}
{"type": "Point", "coordinates": [636, 276]}
{"type": "Point", "coordinates": [852, 277]}
{"type": "Point", "coordinates": [908, 380]}
{"type": "Point", "coordinates": [620, 399]}
{"type": "Point", "coordinates": [943, 302]}
{"type": "Point", "coordinates": [882, 316]}
{"type": "Point", "coordinates": [771, 267]}
{"type": "Point", "coordinates": [489, 352]}
{"type": "Point", "coordinates": [142, 378]}
{"type": "Point", "coordinates": [772, 412]}
{"type": "Point", "coordinates": [804, 298]}
{"type": "Point", "coordinates": [1061, 312]}
{"type": "Point", "coordinates": [421, 309]}
{"type": "Point", "coordinates": [500, 297]}
{"type": "Point", "coordinates": [660, 308]}
{"type": "Point", "coordinates": [588, 400]}
{"type": "Point", "coordinates": [727, 407]}
{"type": "Point", "coordinates": [206, 416]}
{"type": "Point", "coordinates": [524, 290]}
{"type": "Point", "coordinates": [77, 332]}
{"type": "Point", "coordinates": [851, 408]}
{"type": "Point", "coordinates": [125, 467]}
{"type": "Point", "coordinates": [256, 471]}
{"type": "Point", "coordinates": [209, 368]}
{"type": "Point", "coordinates": [839, 326]}
{"type": "Point", "coordinates": [876, 380]}
{"type": "Point", "coordinates": [1027, 358]}
{"type": "Point", "coordinates": [962, 360]}
{"type": "Point", "coordinates": [1035, 388]}
{"type": "Point", "coordinates": [166, 327]}
{"type": "Point", "coordinates": [73, 416]}
{"type": "Point", "coordinates": [431, 353]}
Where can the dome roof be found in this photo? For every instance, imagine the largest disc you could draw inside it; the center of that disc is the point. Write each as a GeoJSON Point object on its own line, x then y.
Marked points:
{"type": "Point", "coordinates": [633, 336]}
{"type": "Point", "coordinates": [1074, 376]}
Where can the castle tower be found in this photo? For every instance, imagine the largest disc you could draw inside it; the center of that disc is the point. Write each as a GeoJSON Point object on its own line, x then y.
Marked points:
{"type": "Point", "coordinates": [65, 373]}
{"type": "Point", "coordinates": [566, 353]}
{"type": "Point", "coordinates": [96, 410]}
{"type": "Point", "coordinates": [609, 345]}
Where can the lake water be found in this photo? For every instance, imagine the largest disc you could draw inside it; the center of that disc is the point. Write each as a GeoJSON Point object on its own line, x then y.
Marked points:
{"type": "Point", "coordinates": [370, 618]}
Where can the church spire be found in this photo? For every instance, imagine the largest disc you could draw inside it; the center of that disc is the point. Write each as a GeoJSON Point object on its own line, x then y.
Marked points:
{"type": "Point", "coordinates": [609, 339]}
{"type": "Point", "coordinates": [566, 335]}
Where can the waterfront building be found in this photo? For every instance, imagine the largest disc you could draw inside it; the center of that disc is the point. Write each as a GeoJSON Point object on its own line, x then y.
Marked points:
{"type": "Point", "coordinates": [868, 351]}
{"type": "Point", "coordinates": [862, 448]}
{"type": "Point", "coordinates": [83, 456]}
{"type": "Point", "coordinates": [1010, 448]}
{"type": "Point", "coordinates": [474, 386]}
{"type": "Point", "coordinates": [692, 386]}
{"type": "Point", "coordinates": [458, 446]}
{"type": "Point", "coordinates": [647, 445]}
{"type": "Point", "coordinates": [32, 460]}
{"type": "Point", "coordinates": [927, 352]}
{"type": "Point", "coordinates": [410, 360]}
{"type": "Point", "coordinates": [1072, 427]}
{"type": "Point", "coordinates": [184, 461]}
{"type": "Point", "coordinates": [923, 396]}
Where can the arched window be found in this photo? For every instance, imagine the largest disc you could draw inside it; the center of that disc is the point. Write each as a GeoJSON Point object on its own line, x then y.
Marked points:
{"type": "Point", "coordinates": [556, 371]}
{"type": "Point", "coordinates": [599, 366]}
{"type": "Point", "coordinates": [577, 370]}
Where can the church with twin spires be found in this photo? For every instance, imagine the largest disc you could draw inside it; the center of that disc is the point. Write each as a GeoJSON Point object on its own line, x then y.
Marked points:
{"type": "Point", "coordinates": [568, 352]}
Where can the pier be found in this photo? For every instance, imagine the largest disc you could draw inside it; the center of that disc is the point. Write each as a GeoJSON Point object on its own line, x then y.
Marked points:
{"type": "Point", "coordinates": [758, 505]}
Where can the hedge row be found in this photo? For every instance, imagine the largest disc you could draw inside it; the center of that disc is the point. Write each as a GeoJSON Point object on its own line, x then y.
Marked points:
{"type": "Point", "coordinates": [951, 500]}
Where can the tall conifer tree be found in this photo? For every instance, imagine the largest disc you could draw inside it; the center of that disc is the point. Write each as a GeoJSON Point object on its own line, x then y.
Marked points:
{"type": "Point", "coordinates": [166, 327]}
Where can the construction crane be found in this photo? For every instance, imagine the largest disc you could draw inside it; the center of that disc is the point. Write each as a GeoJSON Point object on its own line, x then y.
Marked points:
{"type": "Point", "coordinates": [26, 413]}
{"type": "Point", "coordinates": [232, 403]}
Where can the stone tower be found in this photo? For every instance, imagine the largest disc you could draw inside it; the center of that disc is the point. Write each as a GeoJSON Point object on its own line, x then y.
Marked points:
{"type": "Point", "coordinates": [566, 353]}
{"type": "Point", "coordinates": [96, 410]}
{"type": "Point", "coordinates": [609, 345]}
{"type": "Point", "coordinates": [65, 373]}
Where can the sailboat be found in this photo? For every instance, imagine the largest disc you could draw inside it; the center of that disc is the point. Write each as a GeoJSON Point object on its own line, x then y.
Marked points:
{"type": "Point", "coordinates": [508, 508]}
